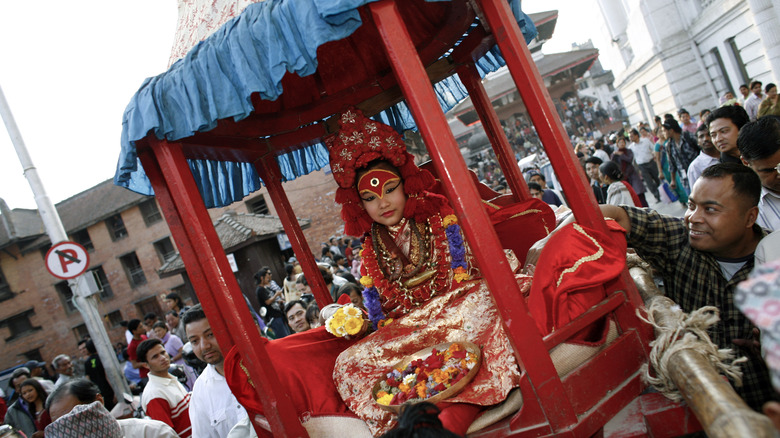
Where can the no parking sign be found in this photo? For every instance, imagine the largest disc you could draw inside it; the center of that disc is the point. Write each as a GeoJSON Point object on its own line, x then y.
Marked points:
{"type": "Point", "coordinates": [67, 260]}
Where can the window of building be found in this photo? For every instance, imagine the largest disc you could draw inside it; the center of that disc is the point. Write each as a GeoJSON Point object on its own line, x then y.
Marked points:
{"type": "Point", "coordinates": [114, 318]}
{"type": "Point", "coordinates": [150, 212]}
{"type": "Point", "coordinates": [165, 250]}
{"type": "Point", "coordinates": [81, 332]}
{"type": "Point", "coordinates": [66, 296]}
{"type": "Point", "coordinates": [19, 325]}
{"type": "Point", "coordinates": [82, 238]}
{"type": "Point", "coordinates": [5, 288]}
{"type": "Point", "coordinates": [257, 205]}
{"type": "Point", "coordinates": [116, 227]}
{"type": "Point", "coordinates": [722, 70]}
{"type": "Point", "coordinates": [149, 305]}
{"type": "Point", "coordinates": [737, 58]}
{"type": "Point", "coordinates": [648, 103]}
{"type": "Point", "coordinates": [102, 282]}
{"type": "Point", "coordinates": [133, 269]}
{"type": "Point", "coordinates": [34, 354]}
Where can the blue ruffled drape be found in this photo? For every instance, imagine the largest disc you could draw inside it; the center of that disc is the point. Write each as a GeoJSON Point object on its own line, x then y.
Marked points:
{"type": "Point", "coordinates": [251, 53]}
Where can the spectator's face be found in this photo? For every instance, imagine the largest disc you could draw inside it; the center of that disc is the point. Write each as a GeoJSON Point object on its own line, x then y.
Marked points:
{"type": "Point", "coordinates": [140, 330]}
{"type": "Point", "coordinates": [536, 194]}
{"type": "Point", "coordinates": [159, 332]}
{"type": "Point", "coordinates": [744, 90]}
{"type": "Point", "coordinates": [767, 171]}
{"type": "Point", "coordinates": [724, 135]}
{"type": "Point", "coordinates": [18, 381]}
{"type": "Point", "coordinates": [538, 179]}
{"type": "Point", "coordinates": [157, 359]}
{"type": "Point", "coordinates": [592, 170]}
{"type": "Point", "coordinates": [772, 92]}
{"type": "Point", "coordinates": [169, 303]}
{"type": "Point", "coordinates": [204, 343]}
{"type": "Point", "coordinates": [172, 321]}
{"type": "Point", "coordinates": [65, 366]}
{"type": "Point", "coordinates": [29, 394]}
{"type": "Point", "coordinates": [296, 317]}
{"type": "Point", "coordinates": [302, 288]}
{"type": "Point", "coordinates": [756, 89]}
{"type": "Point", "coordinates": [387, 210]}
{"type": "Point", "coordinates": [634, 137]}
{"type": "Point", "coordinates": [356, 298]}
{"type": "Point", "coordinates": [729, 95]}
{"type": "Point", "coordinates": [83, 350]}
{"type": "Point", "coordinates": [705, 141]}
{"type": "Point", "coordinates": [149, 322]}
{"type": "Point", "coordinates": [685, 118]}
{"type": "Point", "coordinates": [717, 218]}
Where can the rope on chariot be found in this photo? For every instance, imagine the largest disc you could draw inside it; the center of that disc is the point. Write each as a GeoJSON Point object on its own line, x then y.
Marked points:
{"type": "Point", "coordinates": [679, 331]}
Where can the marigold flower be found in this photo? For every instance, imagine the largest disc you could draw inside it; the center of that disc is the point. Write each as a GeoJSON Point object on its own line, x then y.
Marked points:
{"type": "Point", "coordinates": [366, 281]}
{"type": "Point", "coordinates": [353, 326]}
{"type": "Point", "coordinates": [449, 220]}
{"type": "Point", "coordinates": [386, 399]}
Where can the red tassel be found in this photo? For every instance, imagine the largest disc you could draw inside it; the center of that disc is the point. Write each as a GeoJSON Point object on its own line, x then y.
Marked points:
{"type": "Point", "coordinates": [346, 196]}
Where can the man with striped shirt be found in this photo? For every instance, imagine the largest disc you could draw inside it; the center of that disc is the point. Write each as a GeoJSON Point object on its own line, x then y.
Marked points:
{"type": "Point", "coordinates": [164, 398]}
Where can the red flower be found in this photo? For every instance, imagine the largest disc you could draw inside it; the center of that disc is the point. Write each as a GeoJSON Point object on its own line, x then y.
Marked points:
{"type": "Point", "coordinates": [440, 387]}
{"type": "Point", "coordinates": [460, 354]}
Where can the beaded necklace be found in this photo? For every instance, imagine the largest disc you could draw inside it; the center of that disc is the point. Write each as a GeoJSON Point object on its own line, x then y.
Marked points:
{"type": "Point", "coordinates": [425, 275]}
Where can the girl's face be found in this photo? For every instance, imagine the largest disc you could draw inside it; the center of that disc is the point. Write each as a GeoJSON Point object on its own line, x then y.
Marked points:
{"type": "Point", "coordinates": [160, 332]}
{"type": "Point", "coordinates": [169, 303]}
{"type": "Point", "coordinates": [621, 143]}
{"type": "Point", "coordinates": [29, 394]}
{"type": "Point", "coordinates": [772, 92]}
{"type": "Point", "coordinates": [382, 195]}
{"type": "Point", "coordinates": [603, 178]}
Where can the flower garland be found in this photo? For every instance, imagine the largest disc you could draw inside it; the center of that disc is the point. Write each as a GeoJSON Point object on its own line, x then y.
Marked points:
{"type": "Point", "coordinates": [457, 249]}
{"type": "Point", "coordinates": [400, 299]}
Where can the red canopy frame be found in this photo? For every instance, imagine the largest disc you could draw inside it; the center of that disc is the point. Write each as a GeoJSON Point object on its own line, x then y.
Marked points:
{"type": "Point", "coordinates": [577, 405]}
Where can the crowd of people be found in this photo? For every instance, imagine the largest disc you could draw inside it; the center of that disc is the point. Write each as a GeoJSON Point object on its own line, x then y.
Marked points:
{"type": "Point", "coordinates": [724, 167]}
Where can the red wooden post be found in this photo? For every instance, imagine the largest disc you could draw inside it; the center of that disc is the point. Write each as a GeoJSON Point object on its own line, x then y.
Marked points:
{"type": "Point", "coordinates": [450, 167]}
{"type": "Point", "coordinates": [269, 172]}
{"type": "Point", "coordinates": [216, 284]}
{"type": "Point", "coordinates": [542, 112]}
{"type": "Point", "coordinates": [487, 114]}
{"type": "Point", "coordinates": [546, 121]}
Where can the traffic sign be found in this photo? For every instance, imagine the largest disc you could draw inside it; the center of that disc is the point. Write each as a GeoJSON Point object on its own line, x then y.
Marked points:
{"type": "Point", "coordinates": [67, 260]}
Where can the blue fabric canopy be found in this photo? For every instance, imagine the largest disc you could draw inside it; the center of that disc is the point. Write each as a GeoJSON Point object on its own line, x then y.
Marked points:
{"type": "Point", "coordinates": [250, 54]}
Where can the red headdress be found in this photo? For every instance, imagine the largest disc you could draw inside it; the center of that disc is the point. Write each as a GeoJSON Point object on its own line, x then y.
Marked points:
{"type": "Point", "coordinates": [360, 141]}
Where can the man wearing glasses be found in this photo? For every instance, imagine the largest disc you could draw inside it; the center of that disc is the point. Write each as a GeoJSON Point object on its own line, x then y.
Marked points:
{"type": "Point", "coordinates": [759, 147]}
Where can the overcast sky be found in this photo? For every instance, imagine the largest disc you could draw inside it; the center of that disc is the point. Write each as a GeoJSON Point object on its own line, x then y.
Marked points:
{"type": "Point", "coordinates": [68, 69]}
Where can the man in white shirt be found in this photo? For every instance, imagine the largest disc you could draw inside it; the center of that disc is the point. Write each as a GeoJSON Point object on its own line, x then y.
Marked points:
{"type": "Point", "coordinates": [708, 156]}
{"type": "Point", "coordinates": [754, 100]}
{"type": "Point", "coordinates": [64, 367]}
{"type": "Point", "coordinates": [645, 160]}
{"type": "Point", "coordinates": [759, 146]}
{"type": "Point", "coordinates": [214, 410]}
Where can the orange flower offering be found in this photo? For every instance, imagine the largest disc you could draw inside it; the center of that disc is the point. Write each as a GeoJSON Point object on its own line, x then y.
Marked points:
{"type": "Point", "coordinates": [426, 377]}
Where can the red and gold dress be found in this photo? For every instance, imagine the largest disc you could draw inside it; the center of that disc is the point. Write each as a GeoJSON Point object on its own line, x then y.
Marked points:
{"type": "Point", "coordinates": [427, 308]}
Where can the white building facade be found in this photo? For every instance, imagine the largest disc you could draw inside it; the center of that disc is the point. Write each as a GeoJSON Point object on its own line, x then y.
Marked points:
{"type": "Point", "coordinates": [688, 53]}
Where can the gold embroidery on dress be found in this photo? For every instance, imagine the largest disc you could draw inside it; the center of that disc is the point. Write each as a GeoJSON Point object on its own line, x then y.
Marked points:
{"type": "Point", "coordinates": [523, 213]}
{"type": "Point", "coordinates": [597, 255]}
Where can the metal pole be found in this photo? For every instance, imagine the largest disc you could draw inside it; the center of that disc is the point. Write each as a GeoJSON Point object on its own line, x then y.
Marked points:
{"type": "Point", "coordinates": [82, 298]}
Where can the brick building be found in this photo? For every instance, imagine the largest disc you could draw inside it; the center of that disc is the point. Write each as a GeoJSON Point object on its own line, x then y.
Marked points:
{"type": "Point", "coordinates": [128, 242]}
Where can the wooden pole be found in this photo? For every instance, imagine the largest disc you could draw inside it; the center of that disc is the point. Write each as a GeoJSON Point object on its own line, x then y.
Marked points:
{"type": "Point", "coordinates": [721, 412]}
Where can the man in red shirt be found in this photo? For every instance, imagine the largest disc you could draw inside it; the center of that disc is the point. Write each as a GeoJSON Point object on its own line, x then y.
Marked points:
{"type": "Point", "coordinates": [138, 330]}
{"type": "Point", "coordinates": [164, 398]}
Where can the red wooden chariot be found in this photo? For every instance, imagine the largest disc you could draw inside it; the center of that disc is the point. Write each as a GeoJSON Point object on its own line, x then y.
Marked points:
{"type": "Point", "coordinates": [400, 49]}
